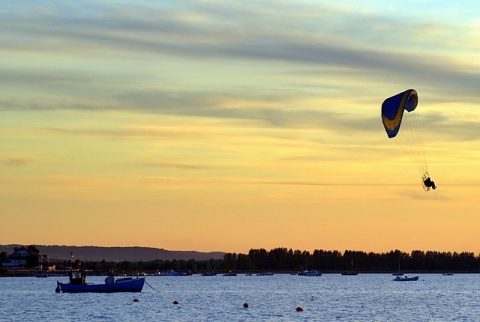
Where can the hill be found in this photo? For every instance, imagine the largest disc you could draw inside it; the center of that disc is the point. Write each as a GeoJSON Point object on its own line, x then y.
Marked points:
{"type": "Point", "coordinates": [115, 254]}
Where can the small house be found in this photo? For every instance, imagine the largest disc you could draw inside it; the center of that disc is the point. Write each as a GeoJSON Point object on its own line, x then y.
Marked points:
{"type": "Point", "coordinates": [20, 257]}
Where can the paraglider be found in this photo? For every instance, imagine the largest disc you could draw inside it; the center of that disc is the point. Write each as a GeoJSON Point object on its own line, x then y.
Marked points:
{"type": "Point", "coordinates": [406, 131]}
{"type": "Point", "coordinates": [428, 183]}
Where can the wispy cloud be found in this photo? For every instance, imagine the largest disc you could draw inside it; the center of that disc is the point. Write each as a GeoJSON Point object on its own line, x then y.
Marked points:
{"type": "Point", "coordinates": [295, 34]}
{"type": "Point", "coordinates": [179, 165]}
{"type": "Point", "coordinates": [354, 58]}
{"type": "Point", "coordinates": [15, 162]}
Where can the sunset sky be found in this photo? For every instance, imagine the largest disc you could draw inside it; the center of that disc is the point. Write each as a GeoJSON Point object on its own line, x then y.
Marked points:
{"type": "Point", "coordinates": [231, 125]}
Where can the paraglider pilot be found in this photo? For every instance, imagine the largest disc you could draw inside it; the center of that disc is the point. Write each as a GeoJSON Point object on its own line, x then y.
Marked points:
{"type": "Point", "coordinates": [429, 183]}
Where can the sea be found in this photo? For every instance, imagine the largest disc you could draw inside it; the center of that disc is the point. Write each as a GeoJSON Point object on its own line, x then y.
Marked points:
{"type": "Point", "coordinates": [281, 297]}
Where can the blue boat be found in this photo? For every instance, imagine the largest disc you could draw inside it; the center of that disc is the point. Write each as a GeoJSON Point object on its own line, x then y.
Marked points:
{"type": "Point", "coordinates": [171, 272]}
{"type": "Point", "coordinates": [77, 284]}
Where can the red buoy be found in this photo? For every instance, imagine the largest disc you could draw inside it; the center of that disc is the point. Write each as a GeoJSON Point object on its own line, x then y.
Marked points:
{"type": "Point", "coordinates": [135, 300]}
{"type": "Point", "coordinates": [175, 302]}
{"type": "Point", "coordinates": [245, 305]}
{"type": "Point", "coordinates": [299, 309]}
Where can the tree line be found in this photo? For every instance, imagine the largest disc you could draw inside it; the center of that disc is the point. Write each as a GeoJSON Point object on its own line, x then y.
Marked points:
{"type": "Point", "coordinates": [289, 260]}
{"type": "Point", "coordinates": [283, 259]}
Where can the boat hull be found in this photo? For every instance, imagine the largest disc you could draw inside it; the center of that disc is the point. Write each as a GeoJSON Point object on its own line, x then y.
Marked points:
{"type": "Point", "coordinates": [172, 273]}
{"type": "Point", "coordinates": [127, 285]}
{"type": "Point", "coordinates": [349, 273]}
{"type": "Point", "coordinates": [310, 273]}
{"type": "Point", "coordinates": [406, 279]}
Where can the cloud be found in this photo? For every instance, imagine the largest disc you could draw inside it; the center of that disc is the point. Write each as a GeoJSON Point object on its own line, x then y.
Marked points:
{"type": "Point", "coordinates": [335, 51]}
{"type": "Point", "coordinates": [15, 162]}
{"type": "Point", "coordinates": [318, 36]}
{"type": "Point", "coordinates": [179, 165]}
{"type": "Point", "coordinates": [131, 132]}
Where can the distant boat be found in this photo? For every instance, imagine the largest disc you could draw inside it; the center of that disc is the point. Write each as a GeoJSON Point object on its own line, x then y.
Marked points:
{"type": "Point", "coordinates": [265, 274]}
{"type": "Point", "coordinates": [42, 275]}
{"type": "Point", "coordinates": [405, 279]}
{"type": "Point", "coordinates": [349, 273]}
{"type": "Point", "coordinates": [78, 285]}
{"type": "Point", "coordinates": [447, 274]}
{"type": "Point", "coordinates": [398, 273]}
{"type": "Point", "coordinates": [312, 272]}
{"type": "Point", "coordinates": [171, 272]}
{"type": "Point", "coordinates": [230, 274]}
{"type": "Point", "coordinates": [209, 274]}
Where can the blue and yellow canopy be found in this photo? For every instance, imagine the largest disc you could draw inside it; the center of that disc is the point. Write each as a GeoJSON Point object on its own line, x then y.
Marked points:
{"type": "Point", "coordinates": [393, 108]}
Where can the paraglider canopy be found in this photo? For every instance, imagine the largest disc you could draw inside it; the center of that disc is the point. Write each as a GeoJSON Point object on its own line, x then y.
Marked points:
{"type": "Point", "coordinates": [393, 108]}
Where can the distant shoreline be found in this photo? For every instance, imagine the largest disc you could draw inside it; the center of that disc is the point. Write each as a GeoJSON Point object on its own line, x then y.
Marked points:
{"type": "Point", "coordinates": [114, 254]}
{"type": "Point", "coordinates": [34, 272]}
{"type": "Point", "coordinates": [133, 260]}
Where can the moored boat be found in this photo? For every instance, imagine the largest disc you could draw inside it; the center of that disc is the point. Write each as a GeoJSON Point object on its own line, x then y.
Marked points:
{"type": "Point", "coordinates": [312, 272]}
{"type": "Point", "coordinates": [77, 284]}
{"type": "Point", "coordinates": [405, 278]}
{"type": "Point", "coordinates": [349, 273]}
{"type": "Point", "coordinates": [171, 272]}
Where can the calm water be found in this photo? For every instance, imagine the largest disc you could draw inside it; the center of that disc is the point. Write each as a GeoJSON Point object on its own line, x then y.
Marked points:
{"type": "Point", "coordinates": [330, 297]}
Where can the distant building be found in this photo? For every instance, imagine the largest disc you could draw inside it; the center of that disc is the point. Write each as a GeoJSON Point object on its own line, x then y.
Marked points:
{"type": "Point", "coordinates": [20, 257]}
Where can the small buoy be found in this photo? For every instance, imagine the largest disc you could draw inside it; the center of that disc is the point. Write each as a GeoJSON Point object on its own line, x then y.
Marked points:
{"type": "Point", "coordinates": [245, 305]}
{"type": "Point", "coordinates": [135, 300]}
{"type": "Point", "coordinates": [299, 309]}
{"type": "Point", "coordinates": [175, 302]}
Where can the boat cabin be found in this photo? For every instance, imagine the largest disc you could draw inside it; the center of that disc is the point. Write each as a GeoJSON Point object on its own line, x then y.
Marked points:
{"type": "Point", "coordinates": [77, 277]}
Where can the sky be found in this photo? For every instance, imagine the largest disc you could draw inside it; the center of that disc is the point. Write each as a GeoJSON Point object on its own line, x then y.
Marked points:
{"type": "Point", "coordinates": [232, 125]}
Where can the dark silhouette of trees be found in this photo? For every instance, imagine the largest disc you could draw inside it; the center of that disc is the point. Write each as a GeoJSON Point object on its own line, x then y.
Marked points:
{"type": "Point", "coordinates": [283, 259]}
{"type": "Point", "coordinates": [288, 260]}
{"type": "Point", "coordinates": [230, 261]}
{"type": "Point", "coordinates": [32, 260]}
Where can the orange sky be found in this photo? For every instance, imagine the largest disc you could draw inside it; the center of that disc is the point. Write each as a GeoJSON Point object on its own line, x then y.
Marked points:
{"type": "Point", "coordinates": [230, 127]}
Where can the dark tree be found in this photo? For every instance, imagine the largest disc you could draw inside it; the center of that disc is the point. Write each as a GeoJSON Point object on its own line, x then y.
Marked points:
{"type": "Point", "coordinates": [32, 260]}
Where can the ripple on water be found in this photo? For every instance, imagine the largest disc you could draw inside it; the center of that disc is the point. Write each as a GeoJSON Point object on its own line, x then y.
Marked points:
{"type": "Point", "coordinates": [366, 297]}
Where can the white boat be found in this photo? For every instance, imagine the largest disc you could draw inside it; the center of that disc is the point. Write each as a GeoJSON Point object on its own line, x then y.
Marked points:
{"type": "Point", "coordinates": [312, 272]}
